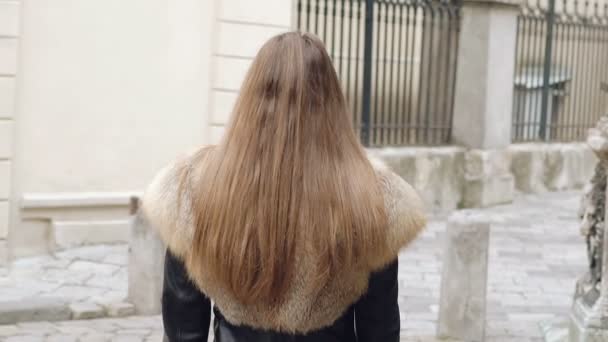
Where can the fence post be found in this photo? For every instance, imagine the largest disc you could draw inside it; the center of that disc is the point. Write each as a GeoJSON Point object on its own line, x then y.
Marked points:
{"type": "Point", "coordinates": [484, 99]}
{"type": "Point", "coordinates": [367, 71]}
{"type": "Point", "coordinates": [484, 76]}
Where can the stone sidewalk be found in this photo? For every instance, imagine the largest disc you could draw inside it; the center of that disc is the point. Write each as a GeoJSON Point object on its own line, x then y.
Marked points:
{"type": "Point", "coordinates": [536, 253]}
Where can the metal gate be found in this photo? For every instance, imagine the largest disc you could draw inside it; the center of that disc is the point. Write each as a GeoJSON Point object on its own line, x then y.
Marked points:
{"type": "Point", "coordinates": [561, 66]}
{"type": "Point", "coordinates": [396, 60]}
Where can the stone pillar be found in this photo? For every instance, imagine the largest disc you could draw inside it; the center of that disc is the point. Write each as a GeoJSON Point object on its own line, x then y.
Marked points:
{"type": "Point", "coordinates": [484, 97]}
{"type": "Point", "coordinates": [462, 305]}
{"type": "Point", "coordinates": [146, 266]}
{"type": "Point", "coordinates": [589, 315]}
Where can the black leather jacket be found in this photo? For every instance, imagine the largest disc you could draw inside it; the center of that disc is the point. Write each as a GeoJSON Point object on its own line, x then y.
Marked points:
{"type": "Point", "coordinates": [187, 313]}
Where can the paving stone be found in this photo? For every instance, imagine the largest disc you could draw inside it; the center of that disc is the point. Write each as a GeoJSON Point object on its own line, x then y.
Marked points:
{"type": "Point", "coordinates": [121, 309]}
{"type": "Point", "coordinates": [35, 309]}
{"type": "Point", "coordinates": [98, 337]}
{"type": "Point", "coordinates": [62, 338]}
{"type": "Point", "coordinates": [8, 330]}
{"type": "Point", "coordinates": [93, 267]}
{"type": "Point", "coordinates": [86, 310]}
{"type": "Point", "coordinates": [128, 338]}
{"type": "Point", "coordinates": [138, 332]}
{"type": "Point", "coordinates": [23, 338]}
{"type": "Point", "coordinates": [38, 328]}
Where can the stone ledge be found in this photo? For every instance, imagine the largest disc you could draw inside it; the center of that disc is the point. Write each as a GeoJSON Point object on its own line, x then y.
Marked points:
{"type": "Point", "coordinates": [31, 201]}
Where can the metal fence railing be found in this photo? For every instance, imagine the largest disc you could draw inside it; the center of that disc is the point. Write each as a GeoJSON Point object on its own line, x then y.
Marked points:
{"type": "Point", "coordinates": [396, 60]}
{"type": "Point", "coordinates": [561, 70]}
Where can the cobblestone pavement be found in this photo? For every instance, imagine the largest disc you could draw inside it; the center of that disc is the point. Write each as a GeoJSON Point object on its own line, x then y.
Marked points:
{"type": "Point", "coordinates": [536, 253]}
{"type": "Point", "coordinates": [88, 274]}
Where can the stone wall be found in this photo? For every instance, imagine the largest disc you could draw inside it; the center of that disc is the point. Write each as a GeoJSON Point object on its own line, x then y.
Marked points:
{"type": "Point", "coordinates": [449, 177]}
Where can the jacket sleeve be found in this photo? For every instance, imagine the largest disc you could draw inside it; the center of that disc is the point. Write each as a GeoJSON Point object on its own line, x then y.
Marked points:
{"type": "Point", "coordinates": [377, 312]}
{"type": "Point", "coordinates": [186, 310]}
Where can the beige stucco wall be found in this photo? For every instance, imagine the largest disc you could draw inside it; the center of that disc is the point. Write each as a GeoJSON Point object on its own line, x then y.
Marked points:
{"type": "Point", "coordinates": [242, 27]}
{"type": "Point", "coordinates": [110, 91]}
{"type": "Point", "coordinates": [9, 40]}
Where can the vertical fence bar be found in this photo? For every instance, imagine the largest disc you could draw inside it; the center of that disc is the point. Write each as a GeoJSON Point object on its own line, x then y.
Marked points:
{"type": "Point", "coordinates": [357, 48]}
{"type": "Point", "coordinates": [547, 70]}
{"type": "Point", "coordinates": [596, 61]}
{"type": "Point", "coordinates": [457, 17]}
{"type": "Point", "coordinates": [299, 14]}
{"type": "Point", "coordinates": [390, 114]}
{"type": "Point", "coordinates": [429, 74]}
{"type": "Point", "coordinates": [448, 58]}
{"type": "Point", "coordinates": [437, 124]}
{"type": "Point", "coordinates": [571, 88]}
{"type": "Point", "coordinates": [367, 71]}
{"type": "Point", "coordinates": [398, 99]}
{"type": "Point", "coordinates": [407, 88]}
{"type": "Point", "coordinates": [562, 57]}
{"type": "Point", "coordinates": [519, 42]}
{"type": "Point", "coordinates": [333, 31]}
{"type": "Point", "coordinates": [420, 74]}
{"type": "Point", "coordinates": [325, 15]}
{"type": "Point", "coordinates": [350, 51]}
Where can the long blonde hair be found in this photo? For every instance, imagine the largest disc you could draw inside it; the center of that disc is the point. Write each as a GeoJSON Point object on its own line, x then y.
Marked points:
{"type": "Point", "coordinates": [289, 171]}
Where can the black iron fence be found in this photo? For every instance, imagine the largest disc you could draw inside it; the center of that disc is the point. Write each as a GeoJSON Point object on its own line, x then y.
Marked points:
{"type": "Point", "coordinates": [396, 60]}
{"type": "Point", "coordinates": [561, 70]}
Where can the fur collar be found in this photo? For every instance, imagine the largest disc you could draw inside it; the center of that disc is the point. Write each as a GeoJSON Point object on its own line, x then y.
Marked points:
{"type": "Point", "coordinates": [300, 313]}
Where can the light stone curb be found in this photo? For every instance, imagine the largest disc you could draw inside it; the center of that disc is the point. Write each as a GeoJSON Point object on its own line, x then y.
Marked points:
{"type": "Point", "coordinates": [32, 310]}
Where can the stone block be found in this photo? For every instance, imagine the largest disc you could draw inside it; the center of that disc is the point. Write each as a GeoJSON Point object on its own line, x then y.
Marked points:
{"type": "Point", "coordinates": [121, 309]}
{"type": "Point", "coordinates": [69, 234]}
{"type": "Point", "coordinates": [146, 266]}
{"type": "Point", "coordinates": [222, 105]}
{"type": "Point", "coordinates": [462, 306]}
{"type": "Point", "coordinates": [230, 72]}
{"type": "Point", "coordinates": [4, 220]}
{"type": "Point", "coordinates": [217, 132]}
{"type": "Point", "coordinates": [86, 310]}
{"type": "Point", "coordinates": [556, 167]}
{"type": "Point", "coordinates": [34, 309]}
{"type": "Point", "coordinates": [5, 180]}
{"type": "Point", "coordinates": [8, 56]}
{"type": "Point", "coordinates": [436, 173]}
{"type": "Point", "coordinates": [9, 18]}
{"type": "Point", "coordinates": [7, 97]}
{"type": "Point", "coordinates": [3, 254]}
{"type": "Point", "coordinates": [488, 181]}
{"type": "Point", "coordinates": [6, 138]}
{"type": "Point", "coordinates": [247, 11]}
{"type": "Point", "coordinates": [240, 40]}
